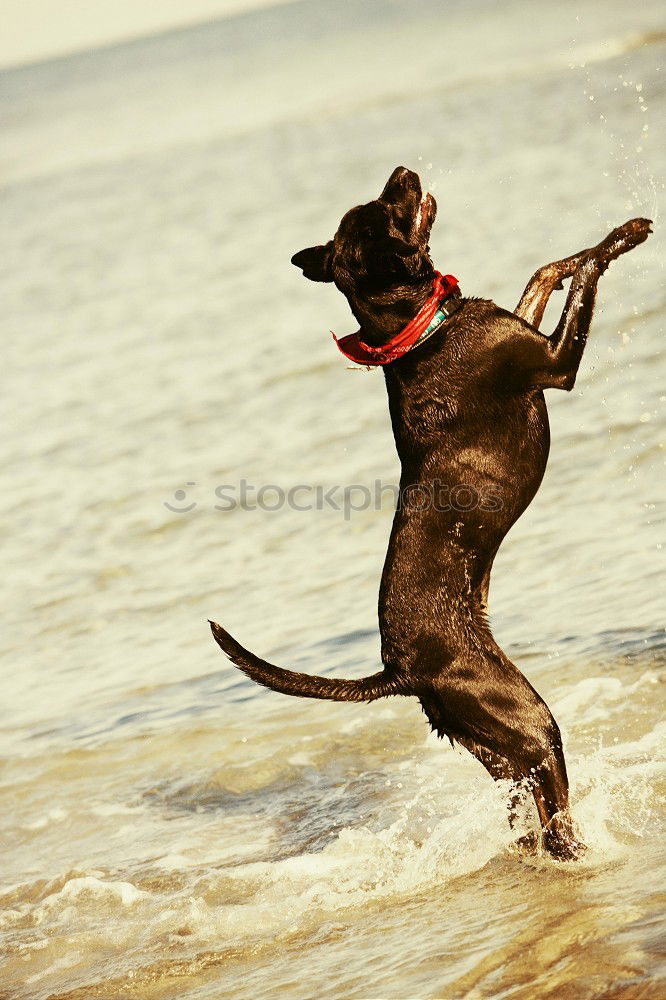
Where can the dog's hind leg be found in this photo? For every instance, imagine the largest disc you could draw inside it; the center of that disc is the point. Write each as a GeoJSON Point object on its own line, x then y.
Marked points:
{"type": "Point", "coordinates": [483, 701]}
{"type": "Point", "coordinates": [540, 765]}
{"type": "Point", "coordinates": [550, 788]}
{"type": "Point", "coordinates": [501, 769]}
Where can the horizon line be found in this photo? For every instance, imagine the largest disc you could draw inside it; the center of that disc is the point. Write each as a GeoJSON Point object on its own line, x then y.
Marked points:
{"type": "Point", "coordinates": [118, 41]}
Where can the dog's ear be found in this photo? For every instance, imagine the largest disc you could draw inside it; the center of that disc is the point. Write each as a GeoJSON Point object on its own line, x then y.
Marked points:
{"type": "Point", "coordinates": [316, 262]}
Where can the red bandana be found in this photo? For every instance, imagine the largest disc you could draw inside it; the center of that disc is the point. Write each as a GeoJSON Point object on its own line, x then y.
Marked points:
{"type": "Point", "coordinates": [363, 354]}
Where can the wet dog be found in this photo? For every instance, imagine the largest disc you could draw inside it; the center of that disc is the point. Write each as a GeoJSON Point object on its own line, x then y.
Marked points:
{"type": "Point", "coordinates": [465, 383]}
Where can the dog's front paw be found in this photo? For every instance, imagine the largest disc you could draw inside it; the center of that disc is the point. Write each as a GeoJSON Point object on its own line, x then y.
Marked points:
{"type": "Point", "coordinates": [635, 231]}
{"type": "Point", "coordinates": [625, 238]}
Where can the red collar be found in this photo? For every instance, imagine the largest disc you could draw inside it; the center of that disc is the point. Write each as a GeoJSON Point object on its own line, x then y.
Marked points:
{"type": "Point", "coordinates": [363, 354]}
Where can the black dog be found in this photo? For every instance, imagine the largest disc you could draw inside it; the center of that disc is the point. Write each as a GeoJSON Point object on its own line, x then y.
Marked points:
{"type": "Point", "coordinates": [465, 383]}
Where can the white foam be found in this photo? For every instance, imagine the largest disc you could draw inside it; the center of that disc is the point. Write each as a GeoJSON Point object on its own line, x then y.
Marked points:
{"type": "Point", "coordinates": [64, 962]}
{"type": "Point", "coordinates": [56, 815]}
{"type": "Point", "coordinates": [89, 885]}
{"type": "Point", "coordinates": [590, 699]}
{"type": "Point", "coordinates": [449, 820]}
{"type": "Point", "coordinates": [447, 829]}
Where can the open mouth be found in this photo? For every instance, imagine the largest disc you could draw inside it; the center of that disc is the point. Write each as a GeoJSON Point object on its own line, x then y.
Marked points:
{"type": "Point", "coordinates": [425, 214]}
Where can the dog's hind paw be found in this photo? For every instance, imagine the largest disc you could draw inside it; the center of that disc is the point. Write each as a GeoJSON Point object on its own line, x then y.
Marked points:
{"type": "Point", "coordinates": [563, 848]}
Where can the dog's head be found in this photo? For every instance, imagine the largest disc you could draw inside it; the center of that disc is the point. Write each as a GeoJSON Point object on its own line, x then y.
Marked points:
{"type": "Point", "coordinates": [380, 253]}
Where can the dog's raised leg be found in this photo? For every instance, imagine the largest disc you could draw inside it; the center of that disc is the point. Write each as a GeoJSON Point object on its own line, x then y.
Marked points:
{"type": "Point", "coordinates": [539, 362]}
{"type": "Point", "coordinates": [568, 341]}
{"type": "Point", "coordinates": [542, 284]}
{"type": "Point", "coordinates": [549, 278]}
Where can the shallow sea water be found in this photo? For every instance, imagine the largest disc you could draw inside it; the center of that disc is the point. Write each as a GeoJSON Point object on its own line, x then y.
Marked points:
{"type": "Point", "coordinates": [168, 828]}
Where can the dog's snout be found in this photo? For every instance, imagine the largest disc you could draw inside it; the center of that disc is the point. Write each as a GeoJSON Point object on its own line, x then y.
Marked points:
{"type": "Point", "coordinates": [401, 180]}
{"type": "Point", "coordinates": [400, 174]}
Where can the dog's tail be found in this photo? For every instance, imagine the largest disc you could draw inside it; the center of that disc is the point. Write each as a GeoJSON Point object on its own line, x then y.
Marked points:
{"type": "Point", "coordinates": [302, 685]}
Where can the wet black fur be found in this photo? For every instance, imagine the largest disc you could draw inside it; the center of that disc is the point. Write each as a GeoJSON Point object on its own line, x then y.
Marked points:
{"type": "Point", "coordinates": [467, 407]}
